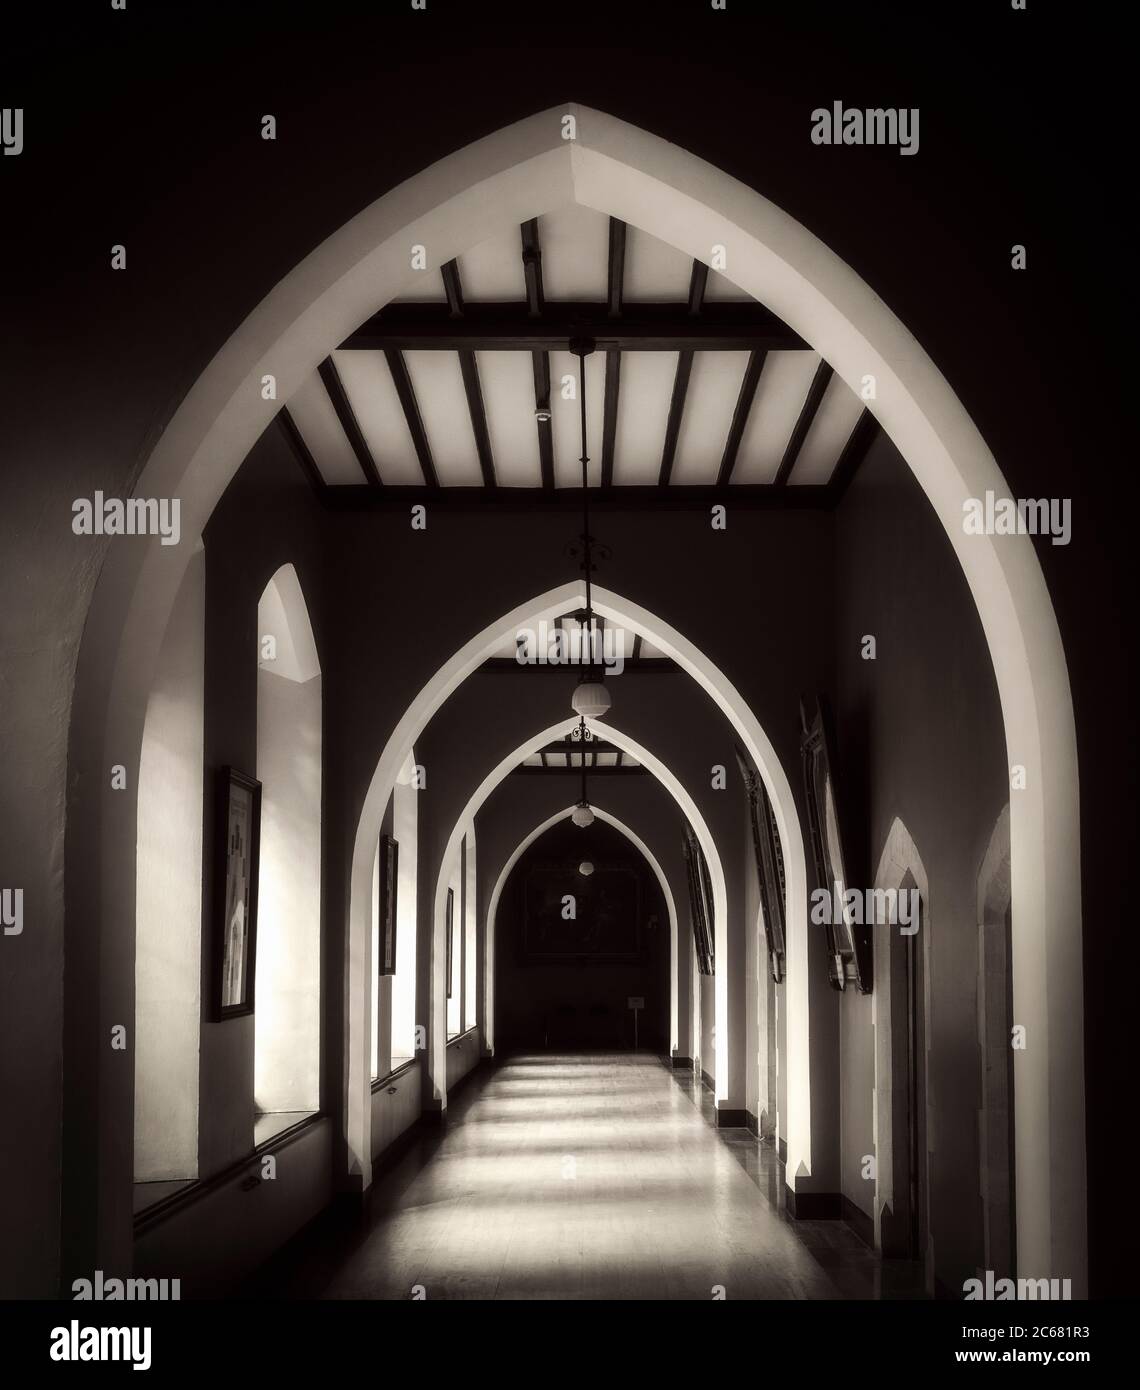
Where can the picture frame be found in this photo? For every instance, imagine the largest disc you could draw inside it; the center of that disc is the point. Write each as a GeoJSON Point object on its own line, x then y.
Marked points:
{"type": "Point", "coordinates": [388, 890]}
{"type": "Point", "coordinates": [450, 937]}
{"type": "Point", "coordinates": [848, 942]}
{"type": "Point", "coordinates": [237, 854]}
{"type": "Point", "coordinates": [769, 865]}
{"type": "Point", "coordinates": [700, 902]}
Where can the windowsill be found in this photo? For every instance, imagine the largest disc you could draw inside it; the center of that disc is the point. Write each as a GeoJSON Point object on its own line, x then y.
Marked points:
{"type": "Point", "coordinates": [400, 1067]}
{"type": "Point", "coordinates": [459, 1037]}
{"type": "Point", "coordinates": [178, 1195]}
{"type": "Point", "coordinates": [148, 1194]}
{"type": "Point", "coordinates": [269, 1126]}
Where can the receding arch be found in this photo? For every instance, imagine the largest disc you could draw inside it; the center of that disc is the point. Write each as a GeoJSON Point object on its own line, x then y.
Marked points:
{"type": "Point", "coordinates": [509, 177]}
{"type": "Point", "coordinates": [448, 677]}
{"type": "Point", "coordinates": [900, 868]}
{"type": "Point", "coordinates": [505, 873]}
{"type": "Point", "coordinates": [466, 819]}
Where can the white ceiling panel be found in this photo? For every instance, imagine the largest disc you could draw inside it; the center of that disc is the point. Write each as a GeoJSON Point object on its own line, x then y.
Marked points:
{"type": "Point", "coordinates": [643, 413]}
{"type": "Point", "coordinates": [535, 760]}
{"type": "Point", "coordinates": [372, 395]}
{"type": "Point", "coordinates": [654, 271]}
{"type": "Point", "coordinates": [556, 760]}
{"type": "Point", "coordinates": [438, 384]}
{"type": "Point", "coordinates": [721, 290]}
{"type": "Point", "coordinates": [628, 760]}
{"type": "Point", "coordinates": [780, 394]}
{"type": "Point", "coordinates": [493, 270]}
{"type": "Point", "coordinates": [575, 253]}
{"type": "Point", "coordinates": [607, 759]}
{"type": "Point", "coordinates": [648, 649]}
{"type": "Point", "coordinates": [714, 385]}
{"type": "Point", "coordinates": [833, 423]}
{"type": "Point", "coordinates": [314, 416]}
{"type": "Point", "coordinates": [507, 379]}
{"type": "Point", "coordinates": [567, 420]}
{"type": "Point", "coordinates": [422, 286]}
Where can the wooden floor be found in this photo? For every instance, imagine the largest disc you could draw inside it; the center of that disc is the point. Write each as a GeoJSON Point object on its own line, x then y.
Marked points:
{"type": "Point", "coordinates": [582, 1177]}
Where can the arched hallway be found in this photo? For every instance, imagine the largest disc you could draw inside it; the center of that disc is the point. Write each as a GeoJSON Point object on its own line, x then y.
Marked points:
{"type": "Point", "coordinates": [565, 731]}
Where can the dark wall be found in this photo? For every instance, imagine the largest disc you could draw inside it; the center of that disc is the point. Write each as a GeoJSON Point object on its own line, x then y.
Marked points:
{"type": "Point", "coordinates": [581, 1002]}
{"type": "Point", "coordinates": [919, 735]}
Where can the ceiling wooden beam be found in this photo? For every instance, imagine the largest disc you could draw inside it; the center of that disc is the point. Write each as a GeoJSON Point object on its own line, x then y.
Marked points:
{"type": "Point", "coordinates": [698, 283]}
{"type": "Point", "coordinates": [635, 654]}
{"type": "Point", "coordinates": [803, 424]}
{"type": "Point", "coordinates": [407, 396]}
{"type": "Point", "coordinates": [615, 299]}
{"type": "Point", "coordinates": [470, 369]}
{"type": "Point", "coordinates": [433, 327]}
{"type": "Point", "coordinates": [676, 412]}
{"type": "Point", "coordinates": [345, 414]}
{"type": "Point", "coordinates": [540, 358]}
{"type": "Point", "coordinates": [740, 415]}
{"type": "Point", "coordinates": [610, 415]}
{"type": "Point", "coordinates": [619, 498]}
{"type": "Point", "coordinates": [617, 771]}
{"type": "Point", "coordinates": [859, 441]}
{"type": "Point", "coordinates": [532, 267]}
{"type": "Point", "coordinates": [616, 286]}
{"type": "Point", "coordinates": [452, 288]}
{"type": "Point", "coordinates": [301, 452]}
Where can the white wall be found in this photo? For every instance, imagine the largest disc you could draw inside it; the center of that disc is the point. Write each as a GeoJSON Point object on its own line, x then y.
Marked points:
{"type": "Point", "coordinates": [470, 930]}
{"type": "Point", "coordinates": [288, 971]}
{"type": "Point", "coordinates": [169, 897]}
{"type": "Point", "coordinates": [405, 831]}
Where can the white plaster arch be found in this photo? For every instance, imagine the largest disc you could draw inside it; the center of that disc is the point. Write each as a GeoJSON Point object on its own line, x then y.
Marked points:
{"type": "Point", "coordinates": [507, 178]}
{"type": "Point", "coordinates": [505, 873]}
{"type": "Point", "coordinates": [437, 1033]}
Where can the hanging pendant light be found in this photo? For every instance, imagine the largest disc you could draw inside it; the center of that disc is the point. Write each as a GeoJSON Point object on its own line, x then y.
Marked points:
{"type": "Point", "coordinates": [582, 815]}
{"type": "Point", "coordinates": [591, 699]}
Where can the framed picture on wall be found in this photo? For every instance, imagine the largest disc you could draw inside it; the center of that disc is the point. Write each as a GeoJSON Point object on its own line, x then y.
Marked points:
{"type": "Point", "coordinates": [450, 935]}
{"type": "Point", "coordinates": [700, 902]}
{"type": "Point", "coordinates": [848, 941]}
{"type": "Point", "coordinates": [769, 864]}
{"type": "Point", "coordinates": [238, 842]}
{"type": "Point", "coordinates": [389, 867]}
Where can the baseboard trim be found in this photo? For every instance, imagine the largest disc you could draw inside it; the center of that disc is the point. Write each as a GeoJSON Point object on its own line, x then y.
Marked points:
{"type": "Point", "coordinates": [707, 1079]}
{"type": "Point", "coordinates": [859, 1221]}
{"type": "Point", "coordinates": [782, 1150]}
{"type": "Point", "coordinates": [814, 1206]}
{"type": "Point", "coordinates": [753, 1125]}
{"type": "Point", "coordinates": [681, 1063]}
{"type": "Point", "coordinates": [731, 1119]}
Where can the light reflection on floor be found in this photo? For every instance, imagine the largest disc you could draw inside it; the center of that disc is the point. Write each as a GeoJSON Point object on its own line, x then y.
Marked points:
{"type": "Point", "coordinates": [593, 1176]}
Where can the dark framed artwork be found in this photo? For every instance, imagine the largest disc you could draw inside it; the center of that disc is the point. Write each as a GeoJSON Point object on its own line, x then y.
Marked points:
{"type": "Point", "coordinates": [450, 936]}
{"type": "Point", "coordinates": [848, 941]}
{"type": "Point", "coordinates": [700, 902]}
{"type": "Point", "coordinates": [606, 927]}
{"type": "Point", "coordinates": [238, 843]}
{"type": "Point", "coordinates": [389, 869]}
{"type": "Point", "coordinates": [769, 865]}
